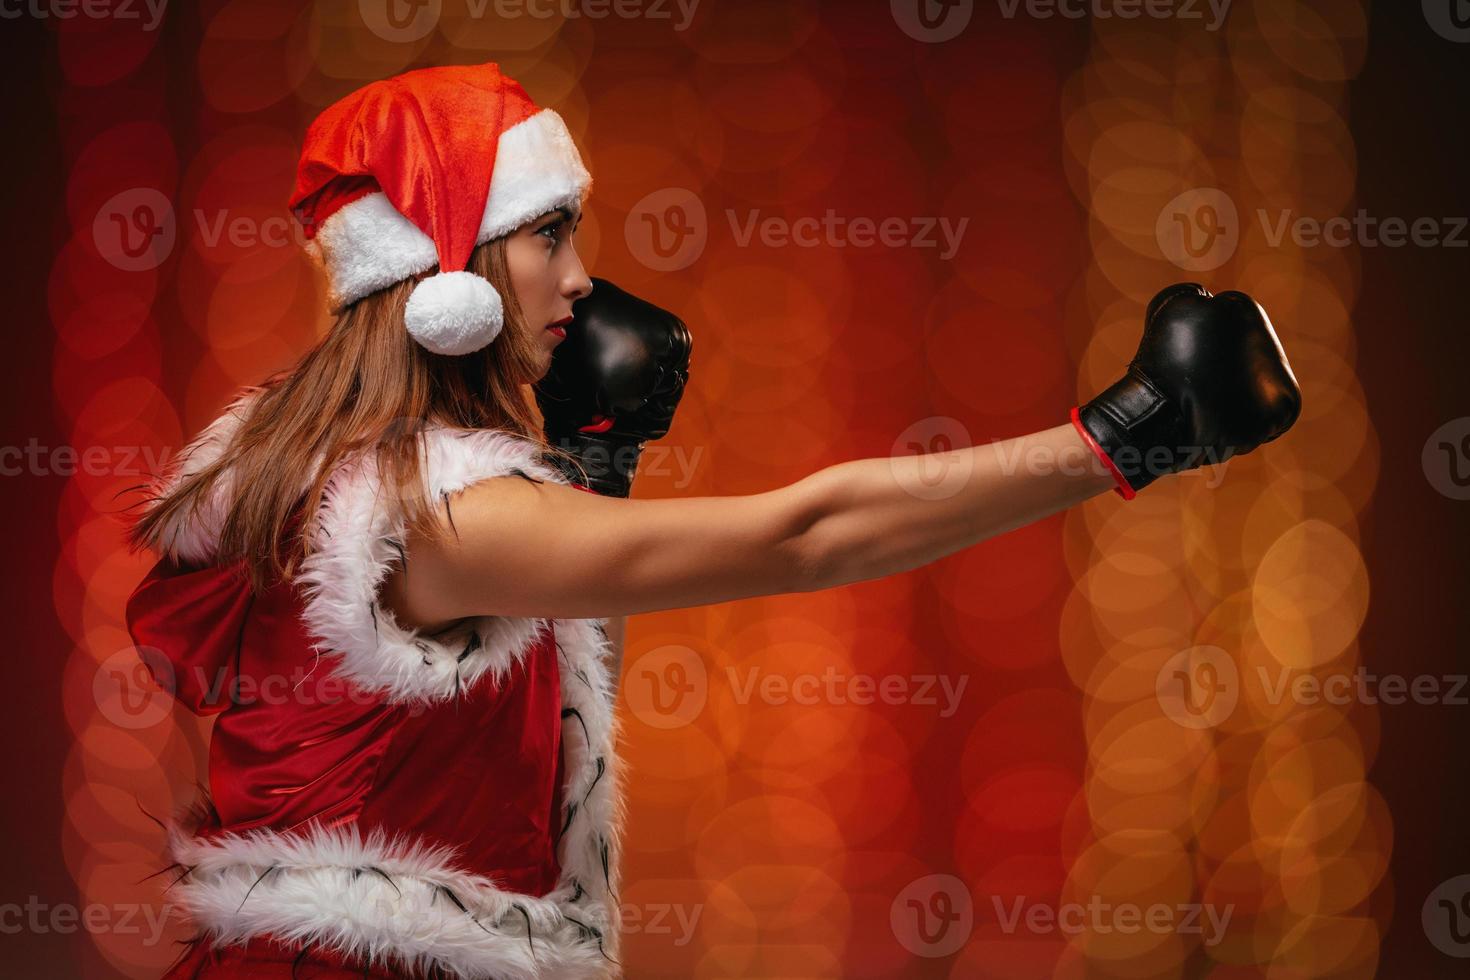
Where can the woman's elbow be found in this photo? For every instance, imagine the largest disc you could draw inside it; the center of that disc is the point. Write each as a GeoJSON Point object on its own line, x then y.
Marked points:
{"type": "Point", "coordinates": [807, 568]}
{"type": "Point", "coordinates": [805, 555]}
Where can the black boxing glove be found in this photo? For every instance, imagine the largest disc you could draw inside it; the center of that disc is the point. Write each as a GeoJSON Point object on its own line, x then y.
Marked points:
{"type": "Point", "coordinates": [613, 385]}
{"type": "Point", "coordinates": [1210, 381]}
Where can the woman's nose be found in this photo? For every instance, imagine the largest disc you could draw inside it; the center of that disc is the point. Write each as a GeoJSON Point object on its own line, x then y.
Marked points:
{"type": "Point", "coordinates": [578, 285]}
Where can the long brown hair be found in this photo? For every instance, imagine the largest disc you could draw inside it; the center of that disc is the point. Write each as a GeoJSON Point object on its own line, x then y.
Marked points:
{"type": "Point", "coordinates": [367, 383]}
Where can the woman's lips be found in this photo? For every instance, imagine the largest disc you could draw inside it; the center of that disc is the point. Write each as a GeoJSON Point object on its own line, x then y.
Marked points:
{"type": "Point", "coordinates": [560, 327]}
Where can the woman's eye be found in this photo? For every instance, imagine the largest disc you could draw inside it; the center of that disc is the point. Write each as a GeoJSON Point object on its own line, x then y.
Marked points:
{"type": "Point", "coordinates": [550, 231]}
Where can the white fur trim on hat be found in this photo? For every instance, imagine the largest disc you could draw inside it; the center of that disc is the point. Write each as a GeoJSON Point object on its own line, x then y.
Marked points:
{"type": "Point", "coordinates": [537, 168]}
{"type": "Point", "coordinates": [454, 312]}
{"type": "Point", "coordinates": [368, 245]}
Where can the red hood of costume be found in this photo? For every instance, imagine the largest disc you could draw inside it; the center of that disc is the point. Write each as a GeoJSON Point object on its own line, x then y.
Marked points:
{"type": "Point", "coordinates": [187, 624]}
{"type": "Point", "coordinates": [187, 616]}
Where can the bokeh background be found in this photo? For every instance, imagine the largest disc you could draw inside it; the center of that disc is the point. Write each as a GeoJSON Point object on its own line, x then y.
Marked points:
{"type": "Point", "coordinates": [1089, 748]}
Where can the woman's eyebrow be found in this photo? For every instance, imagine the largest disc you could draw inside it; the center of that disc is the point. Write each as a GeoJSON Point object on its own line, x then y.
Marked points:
{"type": "Point", "coordinates": [563, 213]}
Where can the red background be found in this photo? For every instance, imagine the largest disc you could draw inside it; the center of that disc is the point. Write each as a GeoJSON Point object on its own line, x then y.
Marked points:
{"type": "Point", "coordinates": [793, 831]}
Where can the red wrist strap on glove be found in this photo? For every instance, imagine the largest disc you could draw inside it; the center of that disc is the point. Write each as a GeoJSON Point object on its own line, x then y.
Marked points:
{"type": "Point", "coordinates": [1122, 489]}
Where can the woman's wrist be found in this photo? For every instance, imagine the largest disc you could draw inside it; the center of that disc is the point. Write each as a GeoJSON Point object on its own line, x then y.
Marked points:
{"type": "Point", "coordinates": [608, 461]}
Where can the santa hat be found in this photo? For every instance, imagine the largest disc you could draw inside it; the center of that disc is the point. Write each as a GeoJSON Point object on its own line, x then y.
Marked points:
{"type": "Point", "coordinates": [417, 170]}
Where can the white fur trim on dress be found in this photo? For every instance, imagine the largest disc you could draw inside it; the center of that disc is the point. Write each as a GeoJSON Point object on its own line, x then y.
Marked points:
{"type": "Point", "coordinates": [359, 536]}
{"type": "Point", "coordinates": [368, 245]}
{"type": "Point", "coordinates": [383, 901]}
{"type": "Point", "coordinates": [193, 539]}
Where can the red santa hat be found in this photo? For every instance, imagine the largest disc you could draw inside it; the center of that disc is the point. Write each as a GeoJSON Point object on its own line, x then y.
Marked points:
{"type": "Point", "coordinates": [417, 170]}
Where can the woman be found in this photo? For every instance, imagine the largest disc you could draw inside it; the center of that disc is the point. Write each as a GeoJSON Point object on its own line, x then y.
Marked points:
{"type": "Point", "coordinates": [436, 790]}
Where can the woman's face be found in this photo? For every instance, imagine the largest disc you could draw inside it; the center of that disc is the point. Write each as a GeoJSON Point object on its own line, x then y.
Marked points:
{"type": "Point", "coordinates": [547, 276]}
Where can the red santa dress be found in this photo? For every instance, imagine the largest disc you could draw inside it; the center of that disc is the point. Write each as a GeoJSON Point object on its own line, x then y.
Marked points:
{"type": "Point", "coordinates": [384, 802]}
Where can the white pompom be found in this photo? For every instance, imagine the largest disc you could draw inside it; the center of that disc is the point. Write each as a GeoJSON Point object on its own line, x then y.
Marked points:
{"type": "Point", "coordinates": [454, 313]}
